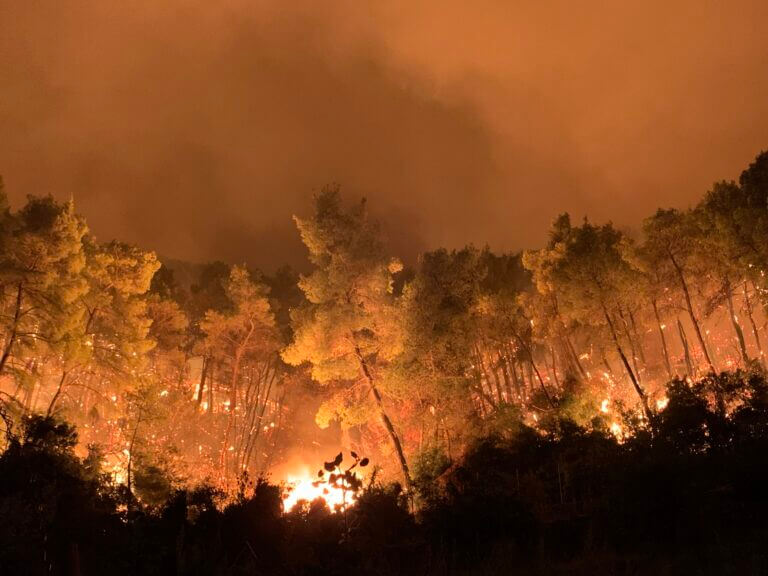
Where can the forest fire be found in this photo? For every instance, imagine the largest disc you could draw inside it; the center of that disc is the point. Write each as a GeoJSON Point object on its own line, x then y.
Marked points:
{"type": "Point", "coordinates": [374, 288]}
{"type": "Point", "coordinates": [336, 486]}
{"type": "Point", "coordinates": [305, 487]}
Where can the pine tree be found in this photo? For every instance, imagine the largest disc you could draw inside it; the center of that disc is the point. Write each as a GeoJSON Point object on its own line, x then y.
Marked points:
{"type": "Point", "coordinates": [348, 329]}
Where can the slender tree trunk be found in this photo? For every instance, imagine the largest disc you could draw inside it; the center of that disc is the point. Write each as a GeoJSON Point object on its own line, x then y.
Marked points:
{"type": "Point", "coordinates": [243, 435]}
{"type": "Point", "coordinates": [385, 418]}
{"type": "Point", "coordinates": [211, 383]}
{"type": "Point", "coordinates": [28, 367]}
{"type": "Point", "coordinates": [638, 339]}
{"type": "Point", "coordinates": [129, 467]}
{"type": "Point", "coordinates": [28, 397]}
{"type": "Point", "coordinates": [505, 373]}
{"type": "Point", "coordinates": [686, 350]}
{"type": "Point", "coordinates": [484, 379]}
{"type": "Point", "coordinates": [497, 384]}
{"type": "Point", "coordinates": [632, 377]}
{"type": "Point", "coordinates": [664, 349]}
{"type": "Point", "coordinates": [630, 339]}
{"type": "Point", "coordinates": [89, 322]}
{"type": "Point", "coordinates": [234, 382]}
{"type": "Point", "coordinates": [232, 420]}
{"type": "Point", "coordinates": [203, 374]}
{"type": "Point", "coordinates": [528, 376]}
{"type": "Point", "coordinates": [569, 345]}
{"type": "Point", "coordinates": [14, 328]}
{"type": "Point", "coordinates": [183, 370]}
{"type": "Point", "coordinates": [632, 349]}
{"type": "Point", "coordinates": [607, 365]}
{"type": "Point", "coordinates": [554, 366]}
{"type": "Point", "coordinates": [484, 396]}
{"type": "Point", "coordinates": [735, 322]}
{"type": "Point", "coordinates": [255, 398]}
{"type": "Point", "coordinates": [481, 365]}
{"type": "Point", "coordinates": [278, 430]}
{"type": "Point", "coordinates": [550, 379]}
{"type": "Point", "coordinates": [748, 304]}
{"type": "Point", "coordinates": [532, 363]}
{"type": "Point", "coordinates": [575, 356]}
{"type": "Point", "coordinates": [691, 314]}
{"type": "Point", "coordinates": [479, 406]}
{"type": "Point", "coordinates": [257, 426]}
{"type": "Point", "coordinates": [56, 396]}
{"type": "Point", "coordinates": [29, 388]}
{"type": "Point", "coordinates": [541, 384]}
{"type": "Point", "coordinates": [516, 382]}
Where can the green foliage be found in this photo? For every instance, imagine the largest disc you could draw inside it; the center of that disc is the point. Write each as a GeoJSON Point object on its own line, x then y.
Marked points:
{"type": "Point", "coordinates": [350, 315]}
{"type": "Point", "coordinates": [428, 466]}
{"type": "Point", "coordinates": [349, 294]}
{"type": "Point", "coordinates": [580, 403]}
{"type": "Point", "coordinates": [151, 483]}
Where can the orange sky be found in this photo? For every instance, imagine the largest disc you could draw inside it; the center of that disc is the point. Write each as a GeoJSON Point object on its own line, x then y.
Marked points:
{"type": "Point", "coordinates": [197, 128]}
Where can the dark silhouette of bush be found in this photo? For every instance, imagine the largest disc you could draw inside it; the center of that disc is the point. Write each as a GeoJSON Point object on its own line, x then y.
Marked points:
{"type": "Point", "coordinates": [683, 495]}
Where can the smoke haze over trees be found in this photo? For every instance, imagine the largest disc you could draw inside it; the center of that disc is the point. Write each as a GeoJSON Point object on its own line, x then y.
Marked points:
{"type": "Point", "coordinates": [228, 117]}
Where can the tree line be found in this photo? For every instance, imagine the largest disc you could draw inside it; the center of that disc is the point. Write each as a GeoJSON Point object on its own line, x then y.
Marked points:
{"type": "Point", "coordinates": [211, 379]}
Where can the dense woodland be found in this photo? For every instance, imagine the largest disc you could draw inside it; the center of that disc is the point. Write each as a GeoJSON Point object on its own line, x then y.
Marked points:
{"type": "Point", "coordinates": [598, 405]}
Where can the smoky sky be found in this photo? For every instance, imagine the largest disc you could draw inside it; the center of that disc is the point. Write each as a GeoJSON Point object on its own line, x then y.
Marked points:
{"type": "Point", "coordinates": [198, 128]}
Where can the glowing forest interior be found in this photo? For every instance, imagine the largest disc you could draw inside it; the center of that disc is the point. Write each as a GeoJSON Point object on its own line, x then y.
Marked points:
{"type": "Point", "coordinates": [577, 407]}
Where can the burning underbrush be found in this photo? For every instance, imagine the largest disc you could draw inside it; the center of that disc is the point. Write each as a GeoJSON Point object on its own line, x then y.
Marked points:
{"type": "Point", "coordinates": [337, 486]}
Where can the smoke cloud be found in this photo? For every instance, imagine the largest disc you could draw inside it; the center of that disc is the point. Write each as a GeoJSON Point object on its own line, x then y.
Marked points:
{"type": "Point", "coordinates": [198, 128]}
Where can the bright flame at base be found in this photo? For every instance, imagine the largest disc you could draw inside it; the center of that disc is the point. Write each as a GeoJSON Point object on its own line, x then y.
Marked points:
{"type": "Point", "coordinates": [307, 488]}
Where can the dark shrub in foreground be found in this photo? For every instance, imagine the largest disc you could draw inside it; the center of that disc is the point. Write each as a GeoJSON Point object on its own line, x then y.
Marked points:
{"type": "Point", "coordinates": [685, 496]}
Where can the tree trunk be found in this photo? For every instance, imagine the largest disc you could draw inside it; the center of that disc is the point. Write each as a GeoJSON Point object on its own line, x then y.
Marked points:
{"type": "Point", "coordinates": [516, 382]}
{"type": "Point", "coordinates": [684, 340]}
{"type": "Point", "coordinates": [255, 399]}
{"type": "Point", "coordinates": [569, 345]}
{"type": "Point", "coordinates": [541, 384]}
{"type": "Point", "coordinates": [638, 339]}
{"type": "Point", "coordinates": [232, 420]}
{"type": "Point", "coordinates": [606, 364]}
{"type": "Point", "coordinates": [631, 341]}
{"type": "Point", "coordinates": [129, 467]}
{"type": "Point", "coordinates": [385, 418]}
{"type": "Point", "coordinates": [505, 374]}
{"type": "Point", "coordinates": [527, 376]}
{"type": "Point", "coordinates": [554, 366]}
{"type": "Point", "coordinates": [203, 374]}
{"type": "Point", "coordinates": [497, 384]}
{"type": "Point", "coordinates": [234, 382]}
{"type": "Point", "coordinates": [55, 398]}
{"type": "Point", "coordinates": [735, 323]}
{"type": "Point", "coordinates": [632, 377]}
{"type": "Point", "coordinates": [257, 425]}
{"type": "Point", "coordinates": [527, 349]}
{"type": "Point", "coordinates": [691, 314]}
{"type": "Point", "coordinates": [664, 349]}
{"type": "Point", "coordinates": [748, 304]}
{"type": "Point", "coordinates": [211, 383]}
{"type": "Point", "coordinates": [481, 365]}
{"type": "Point", "coordinates": [483, 379]}
{"type": "Point", "coordinates": [14, 328]}
{"type": "Point", "coordinates": [575, 357]}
